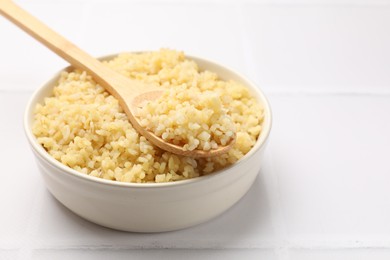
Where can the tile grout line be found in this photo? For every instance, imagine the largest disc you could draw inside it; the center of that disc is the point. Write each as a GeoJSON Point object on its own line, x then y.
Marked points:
{"type": "Point", "coordinates": [271, 182]}
{"type": "Point", "coordinates": [336, 244]}
{"type": "Point", "coordinates": [330, 245]}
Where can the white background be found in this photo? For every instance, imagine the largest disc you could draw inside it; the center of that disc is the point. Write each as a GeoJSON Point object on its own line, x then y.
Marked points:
{"type": "Point", "coordinates": [324, 189]}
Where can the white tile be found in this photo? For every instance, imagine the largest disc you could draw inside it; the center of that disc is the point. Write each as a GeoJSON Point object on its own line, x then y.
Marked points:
{"type": "Point", "coordinates": [320, 47]}
{"type": "Point", "coordinates": [154, 254]}
{"type": "Point", "coordinates": [8, 254]}
{"type": "Point", "coordinates": [341, 254]}
{"type": "Point", "coordinates": [247, 224]}
{"type": "Point", "coordinates": [64, 17]}
{"type": "Point", "coordinates": [330, 155]}
{"type": "Point", "coordinates": [19, 179]}
{"type": "Point", "coordinates": [208, 30]}
{"type": "Point", "coordinates": [25, 63]}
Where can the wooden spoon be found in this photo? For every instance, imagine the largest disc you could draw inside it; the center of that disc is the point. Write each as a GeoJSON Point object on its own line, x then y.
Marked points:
{"type": "Point", "coordinates": [129, 92]}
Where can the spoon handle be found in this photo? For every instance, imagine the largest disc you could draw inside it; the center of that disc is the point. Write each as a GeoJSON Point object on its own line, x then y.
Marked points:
{"type": "Point", "coordinates": [114, 82]}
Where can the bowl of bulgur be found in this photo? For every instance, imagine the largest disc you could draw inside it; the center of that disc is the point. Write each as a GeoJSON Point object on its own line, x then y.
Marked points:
{"type": "Point", "coordinates": [96, 164]}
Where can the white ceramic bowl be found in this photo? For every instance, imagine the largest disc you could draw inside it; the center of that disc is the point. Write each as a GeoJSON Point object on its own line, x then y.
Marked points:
{"type": "Point", "coordinates": [150, 207]}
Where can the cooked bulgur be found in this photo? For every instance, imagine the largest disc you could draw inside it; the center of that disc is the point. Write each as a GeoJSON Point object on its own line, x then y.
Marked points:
{"type": "Point", "coordinates": [83, 126]}
{"type": "Point", "coordinates": [188, 117]}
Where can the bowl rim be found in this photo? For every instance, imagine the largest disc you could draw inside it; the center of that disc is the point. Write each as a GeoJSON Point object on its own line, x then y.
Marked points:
{"type": "Point", "coordinates": [260, 143]}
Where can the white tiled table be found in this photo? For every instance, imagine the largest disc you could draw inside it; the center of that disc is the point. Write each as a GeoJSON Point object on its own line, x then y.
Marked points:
{"type": "Point", "coordinates": [324, 189]}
